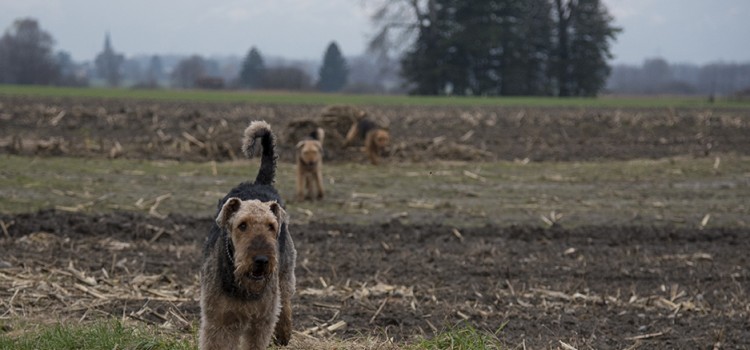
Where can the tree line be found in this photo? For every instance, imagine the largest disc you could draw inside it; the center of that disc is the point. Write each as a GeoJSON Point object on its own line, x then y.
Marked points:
{"type": "Point", "coordinates": [27, 56]}
{"type": "Point", "coordinates": [430, 47]}
{"type": "Point", "coordinates": [498, 47]}
{"type": "Point", "coordinates": [657, 76]}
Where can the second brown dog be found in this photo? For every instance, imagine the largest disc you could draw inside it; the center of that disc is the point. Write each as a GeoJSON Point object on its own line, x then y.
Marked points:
{"type": "Point", "coordinates": [310, 166]}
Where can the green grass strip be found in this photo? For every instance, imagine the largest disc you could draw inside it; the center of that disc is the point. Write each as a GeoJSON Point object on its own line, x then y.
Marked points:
{"type": "Point", "coordinates": [111, 334]}
{"type": "Point", "coordinates": [463, 337]}
{"type": "Point", "coordinates": [313, 98]}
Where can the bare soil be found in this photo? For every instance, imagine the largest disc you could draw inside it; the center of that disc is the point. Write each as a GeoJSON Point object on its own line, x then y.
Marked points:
{"type": "Point", "coordinates": [592, 287]}
{"type": "Point", "coordinates": [206, 131]}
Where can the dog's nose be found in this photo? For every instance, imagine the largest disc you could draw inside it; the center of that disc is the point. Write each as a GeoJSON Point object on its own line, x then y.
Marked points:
{"type": "Point", "coordinates": [260, 260]}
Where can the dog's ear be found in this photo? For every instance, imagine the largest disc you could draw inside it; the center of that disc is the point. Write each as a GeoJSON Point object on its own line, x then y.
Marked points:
{"type": "Point", "coordinates": [231, 206]}
{"type": "Point", "coordinates": [300, 144]}
{"type": "Point", "coordinates": [279, 212]}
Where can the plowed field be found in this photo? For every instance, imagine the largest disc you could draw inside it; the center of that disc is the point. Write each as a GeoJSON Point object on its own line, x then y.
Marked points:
{"type": "Point", "coordinates": [638, 283]}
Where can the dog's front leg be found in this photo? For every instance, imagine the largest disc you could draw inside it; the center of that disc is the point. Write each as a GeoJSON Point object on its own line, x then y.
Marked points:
{"type": "Point", "coordinates": [283, 332]}
{"type": "Point", "coordinates": [319, 181]}
{"type": "Point", "coordinates": [219, 338]}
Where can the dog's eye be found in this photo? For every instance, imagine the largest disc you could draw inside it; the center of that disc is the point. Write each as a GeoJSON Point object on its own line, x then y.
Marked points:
{"type": "Point", "coordinates": [242, 226]}
{"type": "Point", "coordinates": [271, 227]}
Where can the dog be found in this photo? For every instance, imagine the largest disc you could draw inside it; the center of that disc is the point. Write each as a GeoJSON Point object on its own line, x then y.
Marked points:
{"type": "Point", "coordinates": [247, 275]}
{"type": "Point", "coordinates": [310, 166]}
{"type": "Point", "coordinates": [376, 139]}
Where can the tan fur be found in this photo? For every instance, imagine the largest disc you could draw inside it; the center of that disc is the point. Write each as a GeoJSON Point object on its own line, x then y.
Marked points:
{"type": "Point", "coordinates": [310, 168]}
{"type": "Point", "coordinates": [376, 141]}
{"type": "Point", "coordinates": [229, 322]}
{"type": "Point", "coordinates": [254, 128]}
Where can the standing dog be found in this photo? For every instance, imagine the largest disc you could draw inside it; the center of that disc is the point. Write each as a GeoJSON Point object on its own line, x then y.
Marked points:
{"type": "Point", "coordinates": [247, 277]}
{"type": "Point", "coordinates": [310, 166]}
{"type": "Point", "coordinates": [376, 138]}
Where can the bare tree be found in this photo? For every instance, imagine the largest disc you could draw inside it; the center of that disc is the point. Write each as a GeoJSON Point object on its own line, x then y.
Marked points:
{"type": "Point", "coordinates": [70, 72]}
{"type": "Point", "coordinates": [188, 71]}
{"type": "Point", "coordinates": [287, 78]}
{"type": "Point", "coordinates": [398, 23]}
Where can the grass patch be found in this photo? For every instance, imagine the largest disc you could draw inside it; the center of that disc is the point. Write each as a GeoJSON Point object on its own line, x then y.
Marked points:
{"type": "Point", "coordinates": [105, 335]}
{"type": "Point", "coordinates": [464, 337]}
{"type": "Point", "coordinates": [113, 334]}
{"type": "Point", "coordinates": [679, 190]}
{"type": "Point", "coordinates": [310, 98]}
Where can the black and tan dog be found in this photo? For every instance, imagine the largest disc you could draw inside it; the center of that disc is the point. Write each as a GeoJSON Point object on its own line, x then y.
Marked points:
{"type": "Point", "coordinates": [310, 166]}
{"type": "Point", "coordinates": [376, 139]}
{"type": "Point", "coordinates": [247, 277]}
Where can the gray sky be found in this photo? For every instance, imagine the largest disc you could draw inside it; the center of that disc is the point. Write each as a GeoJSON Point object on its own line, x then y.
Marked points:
{"type": "Point", "coordinates": [690, 31]}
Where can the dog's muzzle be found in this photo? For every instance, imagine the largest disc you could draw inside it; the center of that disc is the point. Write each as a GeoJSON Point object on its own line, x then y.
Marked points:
{"type": "Point", "coordinates": [309, 165]}
{"type": "Point", "coordinates": [260, 268]}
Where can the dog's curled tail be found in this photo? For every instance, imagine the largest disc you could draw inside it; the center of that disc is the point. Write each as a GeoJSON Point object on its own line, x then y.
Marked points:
{"type": "Point", "coordinates": [261, 130]}
{"type": "Point", "coordinates": [318, 134]}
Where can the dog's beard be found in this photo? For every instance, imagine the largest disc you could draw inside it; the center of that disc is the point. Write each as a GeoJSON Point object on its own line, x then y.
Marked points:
{"type": "Point", "coordinates": [250, 279]}
{"type": "Point", "coordinates": [309, 162]}
{"type": "Point", "coordinates": [383, 143]}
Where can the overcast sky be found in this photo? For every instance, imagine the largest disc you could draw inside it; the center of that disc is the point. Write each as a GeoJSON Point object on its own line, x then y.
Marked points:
{"type": "Point", "coordinates": [690, 31]}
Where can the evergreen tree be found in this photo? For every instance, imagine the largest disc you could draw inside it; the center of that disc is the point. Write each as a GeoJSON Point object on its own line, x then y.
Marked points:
{"type": "Point", "coordinates": [584, 32]}
{"type": "Point", "coordinates": [253, 70]}
{"type": "Point", "coordinates": [455, 43]}
{"type": "Point", "coordinates": [498, 47]}
{"type": "Point", "coordinates": [334, 72]}
{"type": "Point", "coordinates": [26, 54]}
{"type": "Point", "coordinates": [591, 33]}
{"type": "Point", "coordinates": [502, 47]}
{"type": "Point", "coordinates": [108, 64]}
{"type": "Point", "coordinates": [561, 59]}
{"type": "Point", "coordinates": [495, 30]}
{"type": "Point", "coordinates": [425, 65]}
{"type": "Point", "coordinates": [535, 29]}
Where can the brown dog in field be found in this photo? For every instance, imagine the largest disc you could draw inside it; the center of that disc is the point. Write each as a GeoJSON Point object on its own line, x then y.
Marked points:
{"type": "Point", "coordinates": [247, 277]}
{"type": "Point", "coordinates": [376, 139]}
{"type": "Point", "coordinates": [310, 166]}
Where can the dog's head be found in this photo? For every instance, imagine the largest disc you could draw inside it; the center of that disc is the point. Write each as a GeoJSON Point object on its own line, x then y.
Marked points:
{"type": "Point", "coordinates": [310, 151]}
{"type": "Point", "coordinates": [382, 138]}
{"type": "Point", "coordinates": [253, 227]}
